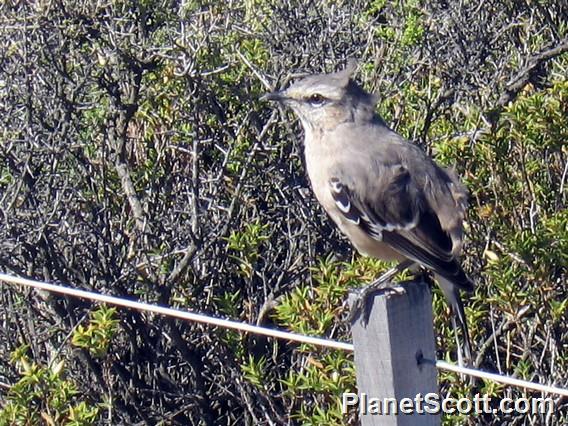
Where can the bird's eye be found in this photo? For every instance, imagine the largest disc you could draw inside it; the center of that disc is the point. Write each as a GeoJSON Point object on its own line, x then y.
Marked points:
{"type": "Point", "coordinates": [316, 99]}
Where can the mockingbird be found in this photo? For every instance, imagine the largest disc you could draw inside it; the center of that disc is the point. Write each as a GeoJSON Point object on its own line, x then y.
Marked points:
{"type": "Point", "coordinates": [386, 195]}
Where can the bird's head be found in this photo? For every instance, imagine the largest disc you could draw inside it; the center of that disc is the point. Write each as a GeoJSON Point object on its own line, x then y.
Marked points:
{"type": "Point", "coordinates": [323, 101]}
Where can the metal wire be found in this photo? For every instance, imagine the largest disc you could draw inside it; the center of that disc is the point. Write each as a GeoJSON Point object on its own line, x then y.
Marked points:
{"type": "Point", "coordinates": [249, 328]}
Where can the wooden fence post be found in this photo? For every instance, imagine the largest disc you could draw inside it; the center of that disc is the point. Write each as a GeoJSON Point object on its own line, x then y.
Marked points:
{"type": "Point", "coordinates": [387, 351]}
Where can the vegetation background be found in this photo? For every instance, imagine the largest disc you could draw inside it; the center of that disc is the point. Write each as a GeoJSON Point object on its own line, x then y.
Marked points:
{"type": "Point", "coordinates": [137, 160]}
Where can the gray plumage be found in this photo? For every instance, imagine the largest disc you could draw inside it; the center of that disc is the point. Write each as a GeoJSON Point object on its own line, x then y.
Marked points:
{"type": "Point", "coordinates": [385, 194]}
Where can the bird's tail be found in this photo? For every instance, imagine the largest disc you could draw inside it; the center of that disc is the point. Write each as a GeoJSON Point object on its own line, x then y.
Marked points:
{"type": "Point", "coordinates": [451, 292]}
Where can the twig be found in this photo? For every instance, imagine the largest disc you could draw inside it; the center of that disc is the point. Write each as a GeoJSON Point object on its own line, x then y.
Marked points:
{"type": "Point", "coordinates": [525, 75]}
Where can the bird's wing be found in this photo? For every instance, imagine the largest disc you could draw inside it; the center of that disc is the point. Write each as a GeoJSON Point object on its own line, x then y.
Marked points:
{"type": "Point", "coordinates": [391, 207]}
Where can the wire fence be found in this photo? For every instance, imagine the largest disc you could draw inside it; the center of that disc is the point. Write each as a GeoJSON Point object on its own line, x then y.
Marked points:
{"type": "Point", "coordinates": [270, 332]}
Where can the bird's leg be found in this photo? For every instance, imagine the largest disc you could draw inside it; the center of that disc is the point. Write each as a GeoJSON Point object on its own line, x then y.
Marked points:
{"type": "Point", "coordinates": [361, 295]}
{"type": "Point", "coordinates": [380, 282]}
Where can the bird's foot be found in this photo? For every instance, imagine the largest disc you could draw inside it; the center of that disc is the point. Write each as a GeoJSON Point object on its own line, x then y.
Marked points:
{"type": "Point", "coordinates": [361, 302]}
{"type": "Point", "coordinates": [359, 298]}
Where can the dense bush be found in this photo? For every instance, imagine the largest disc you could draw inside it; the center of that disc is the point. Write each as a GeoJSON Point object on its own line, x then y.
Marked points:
{"type": "Point", "coordinates": [137, 160]}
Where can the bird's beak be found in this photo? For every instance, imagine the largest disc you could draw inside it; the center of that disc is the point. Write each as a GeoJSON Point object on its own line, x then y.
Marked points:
{"type": "Point", "coordinates": [274, 96]}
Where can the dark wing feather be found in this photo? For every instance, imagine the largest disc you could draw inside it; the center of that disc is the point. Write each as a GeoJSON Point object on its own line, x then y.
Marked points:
{"type": "Point", "coordinates": [397, 213]}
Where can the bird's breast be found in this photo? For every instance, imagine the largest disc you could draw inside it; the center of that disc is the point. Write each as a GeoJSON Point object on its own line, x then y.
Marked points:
{"type": "Point", "coordinates": [319, 167]}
